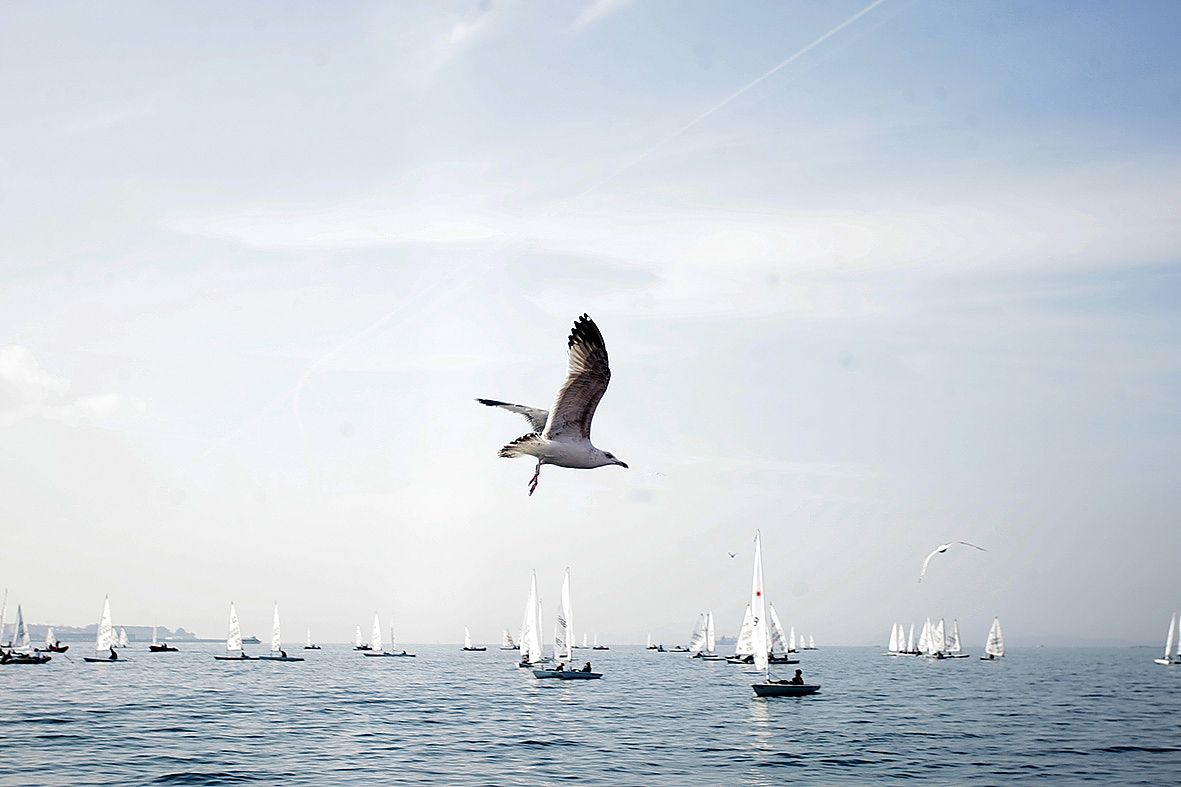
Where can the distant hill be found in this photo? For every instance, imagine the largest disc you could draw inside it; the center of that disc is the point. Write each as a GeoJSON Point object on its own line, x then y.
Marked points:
{"type": "Point", "coordinates": [82, 633]}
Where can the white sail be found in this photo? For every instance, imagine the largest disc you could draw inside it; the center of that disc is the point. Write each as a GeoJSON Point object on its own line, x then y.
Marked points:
{"type": "Point", "coordinates": [20, 637]}
{"type": "Point", "coordinates": [911, 646]}
{"type": "Point", "coordinates": [710, 635]}
{"type": "Point", "coordinates": [234, 635]}
{"type": "Point", "coordinates": [467, 638]}
{"type": "Point", "coordinates": [308, 642]}
{"type": "Point", "coordinates": [758, 603]}
{"type": "Point", "coordinates": [392, 640]}
{"type": "Point", "coordinates": [779, 642]}
{"type": "Point", "coordinates": [375, 640]}
{"type": "Point", "coordinates": [745, 645]}
{"type": "Point", "coordinates": [811, 642]}
{"type": "Point", "coordinates": [506, 641]}
{"type": "Point", "coordinates": [925, 638]}
{"type": "Point", "coordinates": [697, 638]}
{"type": "Point", "coordinates": [357, 641]}
{"type": "Point", "coordinates": [531, 638]}
{"type": "Point", "coordinates": [49, 638]}
{"type": "Point", "coordinates": [893, 639]}
{"type": "Point", "coordinates": [649, 645]}
{"type": "Point", "coordinates": [1179, 641]}
{"type": "Point", "coordinates": [123, 637]}
{"type": "Point", "coordinates": [106, 632]}
{"type": "Point", "coordinates": [953, 640]}
{"type": "Point", "coordinates": [938, 640]}
{"type": "Point", "coordinates": [155, 641]}
{"type": "Point", "coordinates": [276, 634]}
{"type": "Point", "coordinates": [564, 631]}
{"type": "Point", "coordinates": [584, 645]}
{"type": "Point", "coordinates": [791, 640]}
{"type": "Point", "coordinates": [4, 615]}
{"type": "Point", "coordinates": [996, 640]}
{"type": "Point", "coordinates": [596, 640]}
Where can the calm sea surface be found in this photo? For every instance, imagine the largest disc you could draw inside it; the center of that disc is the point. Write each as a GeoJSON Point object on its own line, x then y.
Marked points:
{"type": "Point", "coordinates": [1070, 715]}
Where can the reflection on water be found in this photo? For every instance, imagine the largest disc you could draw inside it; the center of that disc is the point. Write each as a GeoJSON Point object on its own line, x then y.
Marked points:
{"type": "Point", "coordinates": [656, 718]}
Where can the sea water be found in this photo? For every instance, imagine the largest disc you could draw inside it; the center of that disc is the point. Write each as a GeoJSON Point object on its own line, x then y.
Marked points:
{"type": "Point", "coordinates": [1066, 715]}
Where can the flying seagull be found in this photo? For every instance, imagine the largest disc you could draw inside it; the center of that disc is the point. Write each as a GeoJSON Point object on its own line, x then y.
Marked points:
{"type": "Point", "coordinates": [561, 436]}
{"type": "Point", "coordinates": [731, 554]}
{"type": "Point", "coordinates": [940, 550]}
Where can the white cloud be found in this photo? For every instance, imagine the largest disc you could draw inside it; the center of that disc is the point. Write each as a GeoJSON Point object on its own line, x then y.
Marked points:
{"type": "Point", "coordinates": [29, 391]}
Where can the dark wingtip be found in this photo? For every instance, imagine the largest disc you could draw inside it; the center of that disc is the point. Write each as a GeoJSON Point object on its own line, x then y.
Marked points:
{"type": "Point", "coordinates": [489, 402]}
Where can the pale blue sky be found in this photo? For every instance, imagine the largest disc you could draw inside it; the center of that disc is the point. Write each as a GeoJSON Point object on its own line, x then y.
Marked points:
{"type": "Point", "coordinates": [920, 284]}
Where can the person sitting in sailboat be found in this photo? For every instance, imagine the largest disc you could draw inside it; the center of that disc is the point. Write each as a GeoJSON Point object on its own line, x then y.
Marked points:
{"type": "Point", "coordinates": [562, 667]}
{"type": "Point", "coordinates": [586, 667]}
{"type": "Point", "coordinates": [114, 656]}
{"type": "Point", "coordinates": [798, 679]}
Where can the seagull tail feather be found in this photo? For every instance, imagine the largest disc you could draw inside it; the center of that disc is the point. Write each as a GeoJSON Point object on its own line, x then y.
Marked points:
{"type": "Point", "coordinates": [521, 446]}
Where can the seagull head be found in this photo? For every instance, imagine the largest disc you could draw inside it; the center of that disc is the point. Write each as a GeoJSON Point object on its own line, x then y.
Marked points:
{"type": "Point", "coordinates": [611, 460]}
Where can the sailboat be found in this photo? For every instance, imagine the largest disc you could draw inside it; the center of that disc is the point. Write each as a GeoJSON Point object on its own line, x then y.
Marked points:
{"type": "Point", "coordinates": [1170, 641]}
{"type": "Point", "coordinates": [597, 646]}
{"type": "Point", "coordinates": [912, 648]}
{"type": "Point", "coordinates": [954, 649]}
{"type": "Point", "coordinates": [650, 646]}
{"type": "Point", "coordinates": [791, 640]}
{"type": "Point", "coordinates": [761, 640]}
{"type": "Point", "coordinates": [506, 642]}
{"type": "Point", "coordinates": [4, 620]}
{"type": "Point", "coordinates": [811, 643]}
{"type": "Point", "coordinates": [744, 646]}
{"type": "Point", "coordinates": [378, 647]}
{"type": "Point", "coordinates": [704, 639]}
{"type": "Point", "coordinates": [564, 640]}
{"type": "Point", "coordinates": [22, 652]}
{"type": "Point", "coordinates": [104, 640]}
{"type": "Point", "coordinates": [531, 652]}
{"type": "Point", "coordinates": [159, 647]}
{"type": "Point", "coordinates": [893, 649]}
{"type": "Point", "coordinates": [584, 646]}
{"type": "Point", "coordinates": [51, 643]}
{"type": "Point", "coordinates": [780, 646]}
{"type": "Point", "coordinates": [467, 642]}
{"type": "Point", "coordinates": [994, 648]}
{"type": "Point", "coordinates": [277, 652]}
{"type": "Point", "coordinates": [123, 638]}
{"type": "Point", "coordinates": [697, 638]}
{"type": "Point", "coordinates": [234, 651]}
{"type": "Point", "coordinates": [308, 644]}
{"type": "Point", "coordinates": [358, 645]}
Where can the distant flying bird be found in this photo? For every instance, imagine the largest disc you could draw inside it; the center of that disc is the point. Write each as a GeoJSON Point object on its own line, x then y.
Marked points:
{"type": "Point", "coordinates": [731, 554]}
{"type": "Point", "coordinates": [561, 436]}
{"type": "Point", "coordinates": [940, 550]}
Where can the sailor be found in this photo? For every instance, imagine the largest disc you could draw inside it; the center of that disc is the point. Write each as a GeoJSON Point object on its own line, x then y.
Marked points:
{"type": "Point", "coordinates": [114, 656]}
{"type": "Point", "coordinates": [798, 678]}
{"type": "Point", "coordinates": [282, 653]}
{"type": "Point", "coordinates": [586, 667]}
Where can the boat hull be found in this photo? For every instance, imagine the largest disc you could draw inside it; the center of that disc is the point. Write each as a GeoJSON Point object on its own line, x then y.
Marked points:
{"type": "Point", "coordinates": [566, 674]}
{"type": "Point", "coordinates": [162, 649]}
{"type": "Point", "coordinates": [474, 650]}
{"type": "Point", "coordinates": [279, 658]}
{"type": "Point", "coordinates": [235, 658]}
{"type": "Point", "coordinates": [28, 660]}
{"type": "Point", "coordinates": [311, 647]}
{"type": "Point", "coordinates": [389, 655]}
{"type": "Point", "coordinates": [90, 660]}
{"type": "Point", "coordinates": [785, 689]}
{"type": "Point", "coordinates": [1167, 662]}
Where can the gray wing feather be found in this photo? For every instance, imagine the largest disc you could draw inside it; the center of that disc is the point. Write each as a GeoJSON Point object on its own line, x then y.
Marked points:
{"type": "Point", "coordinates": [587, 376]}
{"type": "Point", "coordinates": [533, 415]}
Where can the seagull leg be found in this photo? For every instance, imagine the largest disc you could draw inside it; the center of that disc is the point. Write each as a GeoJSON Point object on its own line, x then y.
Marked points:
{"type": "Point", "coordinates": [533, 480]}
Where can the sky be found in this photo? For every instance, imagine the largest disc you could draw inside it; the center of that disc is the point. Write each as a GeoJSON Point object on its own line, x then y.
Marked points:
{"type": "Point", "coordinates": [873, 277]}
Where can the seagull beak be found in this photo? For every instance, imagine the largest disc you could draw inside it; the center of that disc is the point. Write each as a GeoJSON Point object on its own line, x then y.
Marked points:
{"type": "Point", "coordinates": [621, 464]}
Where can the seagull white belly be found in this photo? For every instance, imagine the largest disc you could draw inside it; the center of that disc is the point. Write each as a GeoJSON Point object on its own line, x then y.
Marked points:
{"type": "Point", "coordinates": [581, 456]}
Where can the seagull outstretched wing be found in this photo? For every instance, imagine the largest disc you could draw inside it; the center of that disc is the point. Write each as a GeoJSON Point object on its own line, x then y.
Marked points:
{"type": "Point", "coordinates": [536, 417]}
{"type": "Point", "coordinates": [587, 377]}
{"type": "Point", "coordinates": [934, 552]}
{"type": "Point", "coordinates": [965, 543]}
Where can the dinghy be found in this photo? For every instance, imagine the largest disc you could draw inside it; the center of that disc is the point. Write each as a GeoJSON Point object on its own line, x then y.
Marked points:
{"type": "Point", "coordinates": [744, 646]}
{"type": "Point", "coordinates": [7, 643]}
{"type": "Point", "coordinates": [309, 645]}
{"type": "Point", "coordinates": [104, 640]}
{"type": "Point", "coordinates": [811, 643]}
{"type": "Point", "coordinates": [358, 645]}
{"type": "Point", "coordinates": [378, 647]}
{"type": "Point", "coordinates": [158, 647]}
{"type": "Point", "coordinates": [22, 652]}
{"type": "Point", "coordinates": [531, 650]}
{"type": "Point", "coordinates": [995, 647]}
{"type": "Point", "coordinates": [1171, 641]}
{"type": "Point", "coordinates": [954, 650]}
{"type": "Point", "coordinates": [597, 646]}
{"type": "Point", "coordinates": [564, 640]}
{"type": "Point", "coordinates": [467, 642]}
{"type": "Point", "coordinates": [234, 651]}
{"type": "Point", "coordinates": [791, 640]}
{"type": "Point", "coordinates": [703, 643]}
{"type": "Point", "coordinates": [894, 649]}
{"type": "Point", "coordinates": [584, 646]}
{"type": "Point", "coordinates": [697, 638]}
{"type": "Point", "coordinates": [780, 647]}
{"type": "Point", "coordinates": [650, 646]}
{"type": "Point", "coordinates": [506, 642]}
{"type": "Point", "coordinates": [123, 643]}
{"type": "Point", "coordinates": [277, 652]}
{"type": "Point", "coordinates": [51, 643]}
{"type": "Point", "coordinates": [912, 647]}
{"type": "Point", "coordinates": [761, 639]}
